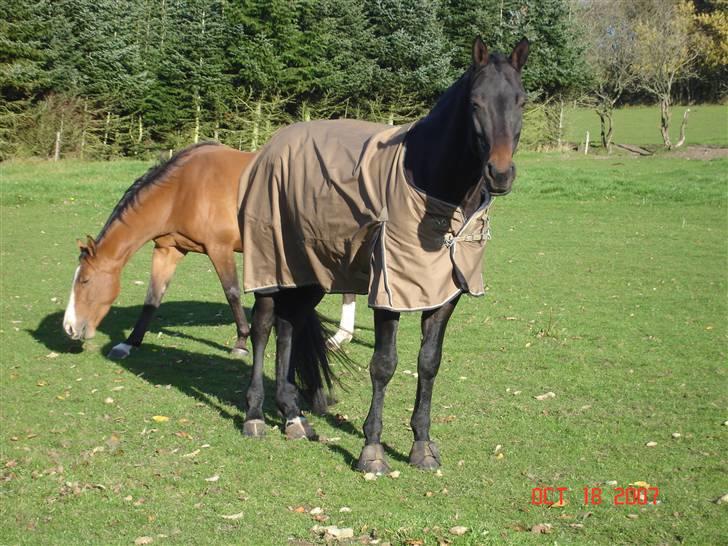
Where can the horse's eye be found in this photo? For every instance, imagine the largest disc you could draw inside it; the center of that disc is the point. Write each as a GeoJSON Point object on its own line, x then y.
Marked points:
{"type": "Point", "coordinates": [83, 281]}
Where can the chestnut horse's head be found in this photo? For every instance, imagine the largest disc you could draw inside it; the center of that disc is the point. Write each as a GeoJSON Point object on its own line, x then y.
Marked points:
{"type": "Point", "coordinates": [497, 98]}
{"type": "Point", "coordinates": [96, 284]}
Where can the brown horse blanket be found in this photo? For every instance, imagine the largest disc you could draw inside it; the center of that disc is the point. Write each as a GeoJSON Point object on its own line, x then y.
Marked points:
{"type": "Point", "coordinates": [328, 203]}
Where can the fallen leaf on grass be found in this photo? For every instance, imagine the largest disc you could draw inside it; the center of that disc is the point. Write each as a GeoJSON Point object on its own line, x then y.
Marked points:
{"type": "Point", "coordinates": [183, 434]}
{"type": "Point", "coordinates": [541, 528]}
{"type": "Point", "coordinates": [641, 484]}
{"type": "Point", "coordinates": [41, 383]}
{"type": "Point", "coordinates": [333, 532]}
{"type": "Point", "coordinates": [458, 530]}
{"type": "Point", "coordinates": [113, 443]}
{"type": "Point", "coordinates": [52, 354]}
{"type": "Point", "coordinates": [143, 540]}
{"type": "Point", "coordinates": [239, 515]}
{"type": "Point", "coordinates": [651, 444]}
{"type": "Point", "coordinates": [394, 474]}
{"type": "Point", "coordinates": [545, 396]}
{"type": "Point", "coordinates": [370, 476]}
{"type": "Point", "coordinates": [722, 500]}
{"type": "Point", "coordinates": [212, 478]}
{"type": "Point", "coordinates": [195, 453]}
{"type": "Point", "coordinates": [160, 418]}
{"type": "Point", "coordinates": [316, 510]}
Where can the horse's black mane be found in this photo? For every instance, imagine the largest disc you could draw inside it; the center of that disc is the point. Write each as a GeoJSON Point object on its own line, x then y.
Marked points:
{"type": "Point", "coordinates": [153, 176]}
{"type": "Point", "coordinates": [444, 103]}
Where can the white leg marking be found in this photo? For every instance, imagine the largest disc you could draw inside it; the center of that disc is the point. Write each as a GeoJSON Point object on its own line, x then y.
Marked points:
{"type": "Point", "coordinates": [346, 325]}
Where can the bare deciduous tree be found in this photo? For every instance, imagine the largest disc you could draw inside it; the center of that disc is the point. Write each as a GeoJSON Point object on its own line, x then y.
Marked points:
{"type": "Point", "coordinates": [611, 57]}
{"type": "Point", "coordinates": [667, 46]}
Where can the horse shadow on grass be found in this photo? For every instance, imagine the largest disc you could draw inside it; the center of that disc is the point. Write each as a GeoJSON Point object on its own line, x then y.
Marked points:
{"type": "Point", "coordinates": [119, 321]}
{"type": "Point", "coordinates": [216, 380]}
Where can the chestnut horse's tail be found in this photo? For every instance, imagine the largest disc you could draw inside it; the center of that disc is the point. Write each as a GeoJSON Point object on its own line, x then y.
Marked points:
{"type": "Point", "coordinates": [310, 360]}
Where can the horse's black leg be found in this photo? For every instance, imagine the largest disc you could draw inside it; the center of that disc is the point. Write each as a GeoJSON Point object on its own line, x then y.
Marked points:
{"type": "Point", "coordinates": [424, 453]}
{"type": "Point", "coordinates": [224, 261]}
{"type": "Point", "coordinates": [381, 369]}
{"type": "Point", "coordinates": [292, 306]}
{"type": "Point", "coordinates": [164, 264]}
{"type": "Point", "coordinates": [263, 318]}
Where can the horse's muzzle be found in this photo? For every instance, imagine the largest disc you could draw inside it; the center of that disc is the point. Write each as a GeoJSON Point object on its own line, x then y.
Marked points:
{"type": "Point", "coordinates": [77, 333]}
{"type": "Point", "coordinates": [499, 182]}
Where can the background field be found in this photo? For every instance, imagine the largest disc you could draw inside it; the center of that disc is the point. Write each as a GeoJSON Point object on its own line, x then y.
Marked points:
{"type": "Point", "coordinates": [607, 286]}
{"type": "Point", "coordinates": [707, 125]}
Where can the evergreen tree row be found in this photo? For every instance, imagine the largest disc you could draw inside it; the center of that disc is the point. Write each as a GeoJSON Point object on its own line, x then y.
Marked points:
{"type": "Point", "coordinates": [123, 77]}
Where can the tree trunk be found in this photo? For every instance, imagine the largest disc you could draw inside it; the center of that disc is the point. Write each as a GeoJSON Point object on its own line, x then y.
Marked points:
{"type": "Point", "coordinates": [57, 151]}
{"type": "Point", "coordinates": [561, 123]}
{"type": "Point", "coordinates": [256, 126]}
{"type": "Point", "coordinates": [106, 128]}
{"type": "Point", "coordinates": [683, 125]}
{"type": "Point", "coordinates": [196, 137]}
{"type": "Point", "coordinates": [665, 121]}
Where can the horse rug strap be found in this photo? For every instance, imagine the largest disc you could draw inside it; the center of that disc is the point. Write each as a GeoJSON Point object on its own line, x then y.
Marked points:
{"type": "Point", "coordinates": [328, 203]}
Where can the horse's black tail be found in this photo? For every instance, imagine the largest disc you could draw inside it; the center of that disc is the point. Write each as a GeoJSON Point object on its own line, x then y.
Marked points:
{"type": "Point", "coordinates": [310, 360]}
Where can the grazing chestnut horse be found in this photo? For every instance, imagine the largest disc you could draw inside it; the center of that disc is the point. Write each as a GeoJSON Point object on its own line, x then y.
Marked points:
{"type": "Point", "coordinates": [326, 229]}
{"type": "Point", "coordinates": [185, 205]}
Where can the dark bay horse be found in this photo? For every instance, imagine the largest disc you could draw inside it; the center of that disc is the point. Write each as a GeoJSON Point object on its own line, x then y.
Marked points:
{"type": "Point", "coordinates": [460, 154]}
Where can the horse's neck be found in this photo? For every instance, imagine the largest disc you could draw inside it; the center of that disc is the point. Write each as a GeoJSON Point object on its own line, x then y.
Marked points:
{"type": "Point", "coordinates": [441, 156]}
{"type": "Point", "coordinates": [127, 233]}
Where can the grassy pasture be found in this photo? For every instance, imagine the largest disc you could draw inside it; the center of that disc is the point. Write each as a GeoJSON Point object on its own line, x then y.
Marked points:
{"type": "Point", "coordinates": [607, 287]}
{"type": "Point", "coordinates": [707, 125]}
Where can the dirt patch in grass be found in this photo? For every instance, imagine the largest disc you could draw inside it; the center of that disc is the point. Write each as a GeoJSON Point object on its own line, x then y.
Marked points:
{"type": "Point", "coordinates": [700, 152]}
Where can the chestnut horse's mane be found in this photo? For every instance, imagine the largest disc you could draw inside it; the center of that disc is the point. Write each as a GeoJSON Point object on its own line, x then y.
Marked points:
{"type": "Point", "coordinates": [158, 173]}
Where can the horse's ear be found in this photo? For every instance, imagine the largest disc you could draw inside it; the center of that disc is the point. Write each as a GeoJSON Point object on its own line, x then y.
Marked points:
{"type": "Point", "coordinates": [81, 246]}
{"type": "Point", "coordinates": [520, 54]}
{"type": "Point", "coordinates": [90, 246]}
{"type": "Point", "coordinates": [480, 53]}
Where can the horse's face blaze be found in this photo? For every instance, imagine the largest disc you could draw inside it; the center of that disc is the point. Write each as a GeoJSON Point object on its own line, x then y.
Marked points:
{"type": "Point", "coordinates": [497, 97]}
{"type": "Point", "coordinates": [92, 293]}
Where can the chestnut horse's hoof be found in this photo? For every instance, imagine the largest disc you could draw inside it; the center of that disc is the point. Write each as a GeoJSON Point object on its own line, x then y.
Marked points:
{"type": "Point", "coordinates": [425, 455]}
{"type": "Point", "coordinates": [255, 428]}
{"type": "Point", "coordinates": [372, 459]}
{"type": "Point", "coordinates": [120, 351]}
{"type": "Point", "coordinates": [239, 352]}
{"type": "Point", "coordinates": [299, 429]}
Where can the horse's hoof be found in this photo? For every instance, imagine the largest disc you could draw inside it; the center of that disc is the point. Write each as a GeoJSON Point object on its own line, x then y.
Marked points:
{"type": "Point", "coordinates": [239, 352]}
{"type": "Point", "coordinates": [299, 429]}
{"type": "Point", "coordinates": [255, 428]}
{"type": "Point", "coordinates": [120, 351]}
{"type": "Point", "coordinates": [372, 459]}
{"type": "Point", "coordinates": [341, 337]}
{"type": "Point", "coordinates": [425, 455]}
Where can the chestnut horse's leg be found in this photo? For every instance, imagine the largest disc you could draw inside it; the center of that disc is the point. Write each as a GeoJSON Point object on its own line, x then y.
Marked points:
{"type": "Point", "coordinates": [263, 317]}
{"type": "Point", "coordinates": [381, 369]}
{"type": "Point", "coordinates": [164, 264]}
{"type": "Point", "coordinates": [224, 262]}
{"type": "Point", "coordinates": [424, 453]}
{"type": "Point", "coordinates": [346, 325]}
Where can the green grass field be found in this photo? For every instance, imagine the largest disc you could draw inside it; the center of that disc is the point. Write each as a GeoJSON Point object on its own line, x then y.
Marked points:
{"type": "Point", "coordinates": [707, 125]}
{"type": "Point", "coordinates": [607, 286]}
